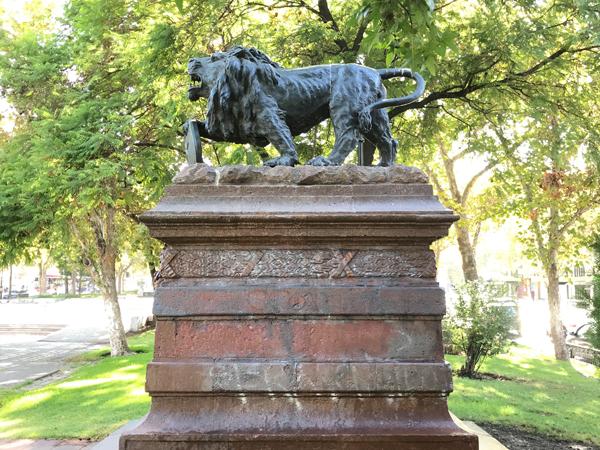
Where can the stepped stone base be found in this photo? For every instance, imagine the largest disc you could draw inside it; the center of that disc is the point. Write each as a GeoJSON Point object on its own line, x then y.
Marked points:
{"type": "Point", "coordinates": [298, 308]}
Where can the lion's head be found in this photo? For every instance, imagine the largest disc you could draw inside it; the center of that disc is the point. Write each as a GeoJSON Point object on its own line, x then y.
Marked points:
{"type": "Point", "coordinates": [207, 70]}
{"type": "Point", "coordinates": [233, 82]}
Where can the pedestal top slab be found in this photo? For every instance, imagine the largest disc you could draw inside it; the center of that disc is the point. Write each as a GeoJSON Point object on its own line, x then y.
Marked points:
{"type": "Point", "coordinates": [244, 204]}
{"type": "Point", "coordinates": [299, 175]}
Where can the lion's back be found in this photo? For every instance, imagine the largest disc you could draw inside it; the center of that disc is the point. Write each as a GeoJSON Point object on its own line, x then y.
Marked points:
{"type": "Point", "coordinates": [351, 80]}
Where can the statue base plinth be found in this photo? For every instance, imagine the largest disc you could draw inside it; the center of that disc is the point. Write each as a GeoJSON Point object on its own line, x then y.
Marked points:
{"type": "Point", "coordinates": [298, 308]}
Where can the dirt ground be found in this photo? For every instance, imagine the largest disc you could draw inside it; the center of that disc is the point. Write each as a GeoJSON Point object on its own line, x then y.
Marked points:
{"type": "Point", "coordinates": [517, 439]}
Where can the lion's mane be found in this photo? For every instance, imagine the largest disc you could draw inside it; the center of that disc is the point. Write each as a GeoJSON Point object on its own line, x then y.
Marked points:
{"type": "Point", "coordinates": [238, 97]}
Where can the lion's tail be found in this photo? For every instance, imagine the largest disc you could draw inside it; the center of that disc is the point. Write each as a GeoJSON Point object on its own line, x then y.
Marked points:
{"type": "Point", "coordinates": [364, 116]}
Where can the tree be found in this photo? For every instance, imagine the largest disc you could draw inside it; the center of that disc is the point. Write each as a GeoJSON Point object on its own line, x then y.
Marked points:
{"type": "Point", "coordinates": [550, 178]}
{"type": "Point", "coordinates": [43, 259]}
{"type": "Point", "coordinates": [491, 61]}
{"type": "Point", "coordinates": [82, 163]}
{"type": "Point", "coordinates": [453, 157]}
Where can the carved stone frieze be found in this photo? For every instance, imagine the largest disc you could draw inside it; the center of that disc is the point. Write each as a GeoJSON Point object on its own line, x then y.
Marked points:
{"type": "Point", "coordinates": [285, 263]}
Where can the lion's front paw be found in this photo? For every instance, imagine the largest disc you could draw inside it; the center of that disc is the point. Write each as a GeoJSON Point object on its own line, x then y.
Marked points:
{"type": "Point", "coordinates": [281, 161]}
{"type": "Point", "coordinates": [321, 161]}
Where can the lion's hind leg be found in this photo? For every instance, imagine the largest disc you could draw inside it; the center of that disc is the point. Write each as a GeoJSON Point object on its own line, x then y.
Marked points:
{"type": "Point", "coordinates": [346, 140]}
{"type": "Point", "coordinates": [381, 135]}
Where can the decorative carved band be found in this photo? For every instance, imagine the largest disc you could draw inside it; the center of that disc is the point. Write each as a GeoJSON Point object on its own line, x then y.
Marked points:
{"type": "Point", "coordinates": [197, 263]}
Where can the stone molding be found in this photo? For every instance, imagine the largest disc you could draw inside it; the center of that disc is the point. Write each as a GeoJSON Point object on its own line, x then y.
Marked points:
{"type": "Point", "coordinates": [226, 297]}
{"type": "Point", "coordinates": [245, 377]}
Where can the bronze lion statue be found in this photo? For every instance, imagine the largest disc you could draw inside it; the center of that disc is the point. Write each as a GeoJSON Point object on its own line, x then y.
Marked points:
{"type": "Point", "coordinates": [254, 100]}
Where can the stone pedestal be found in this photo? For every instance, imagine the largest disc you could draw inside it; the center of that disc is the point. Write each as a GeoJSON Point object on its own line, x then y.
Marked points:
{"type": "Point", "coordinates": [298, 308]}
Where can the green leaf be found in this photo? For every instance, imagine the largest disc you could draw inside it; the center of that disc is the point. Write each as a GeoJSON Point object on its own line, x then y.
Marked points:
{"type": "Point", "coordinates": [389, 58]}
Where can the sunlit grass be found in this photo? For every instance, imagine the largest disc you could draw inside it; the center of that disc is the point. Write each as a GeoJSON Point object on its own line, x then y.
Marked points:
{"type": "Point", "coordinates": [95, 400]}
{"type": "Point", "coordinates": [542, 395]}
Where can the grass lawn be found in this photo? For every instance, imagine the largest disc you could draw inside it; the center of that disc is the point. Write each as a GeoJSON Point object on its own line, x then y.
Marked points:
{"type": "Point", "coordinates": [541, 395]}
{"type": "Point", "coordinates": [91, 403]}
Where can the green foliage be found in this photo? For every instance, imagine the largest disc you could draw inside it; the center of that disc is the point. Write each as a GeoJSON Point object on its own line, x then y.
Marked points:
{"type": "Point", "coordinates": [406, 33]}
{"type": "Point", "coordinates": [478, 327]}
{"type": "Point", "coordinates": [548, 175]}
{"type": "Point", "coordinates": [88, 131]}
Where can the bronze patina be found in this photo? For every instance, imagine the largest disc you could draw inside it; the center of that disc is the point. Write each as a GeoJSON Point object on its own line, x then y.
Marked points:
{"type": "Point", "coordinates": [252, 99]}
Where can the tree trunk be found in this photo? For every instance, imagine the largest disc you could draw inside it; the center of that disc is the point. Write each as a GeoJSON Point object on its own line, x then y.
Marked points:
{"type": "Point", "coordinates": [556, 327]}
{"type": "Point", "coordinates": [116, 331]}
{"type": "Point", "coordinates": [467, 253]}
{"type": "Point", "coordinates": [102, 265]}
{"type": "Point", "coordinates": [66, 280]}
{"type": "Point", "coordinates": [119, 282]}
{"type": "Point", "coordinates": [10, 281]}
{"type": "Point", "coordinates": [105, 243]}
{"type": "Point", "coordinates": [42, 276]}
{"type": "Point", "coordinates": [463, 237]}
{"type": "Point", "coordinates": [74, 282]}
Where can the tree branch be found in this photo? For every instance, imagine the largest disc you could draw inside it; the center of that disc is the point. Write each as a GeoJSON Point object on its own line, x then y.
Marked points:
{"type": "Point", "coordinates": [469, 187]}
{"type": "Point", "coordinates": [155, 144]}
{"type": "Point", "coordinates": [576, 215]}
{"type": "Point", "coordinates": [360, 34]}
{"type": "Point", "coordinates": [436, 182]}
{"type": "Point", "coordinates": [462, 91]}
{"type": "Point", "coordinates": [326, 16]}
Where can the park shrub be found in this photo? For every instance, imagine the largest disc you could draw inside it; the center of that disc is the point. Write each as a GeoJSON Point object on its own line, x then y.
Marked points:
{"type": "Point", "coordinates": [479, 326]}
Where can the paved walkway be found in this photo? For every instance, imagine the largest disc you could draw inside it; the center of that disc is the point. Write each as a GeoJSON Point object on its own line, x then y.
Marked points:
{"type": "Point", "coordinates": [39, 337]}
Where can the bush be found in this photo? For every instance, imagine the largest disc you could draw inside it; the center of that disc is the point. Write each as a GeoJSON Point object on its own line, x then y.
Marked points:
{"type": "Point", "coordinates": [478, 327]}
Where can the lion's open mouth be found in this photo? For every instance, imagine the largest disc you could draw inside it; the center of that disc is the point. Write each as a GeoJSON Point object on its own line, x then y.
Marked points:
{"type": "Point", "coordinates": [196, 88]}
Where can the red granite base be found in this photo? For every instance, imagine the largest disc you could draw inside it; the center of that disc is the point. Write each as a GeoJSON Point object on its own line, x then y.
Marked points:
{"type": "Point", "coordinates": [299, 422]}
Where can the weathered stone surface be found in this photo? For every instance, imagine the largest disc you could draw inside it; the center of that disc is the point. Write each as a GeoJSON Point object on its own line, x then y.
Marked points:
{"type": "Point", "coordinates": [322, 339]}
{"type": "Point", "coordinates": [288, 299]}
{"type": "Point", "coordinates": [405, 174]}
{"type": "Point", "coordinates": [366, 175]}
{"type": "Point", "coordinates": [288, 422]}
{"type": "Point", "coordinates": [239, 174]}
{"type": "Point", "coordinates": [196, 174]}
{"type": "Point", "coordinates": [323, 175]}
{"type": "Point", "coordinates": [407, 262]}
{"type": "Point", "coordinates": [299, 175]}
{"type": "Point", "coordinates": [303, 377]}
{"type": "Point", "coordinates": [278, 175]}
